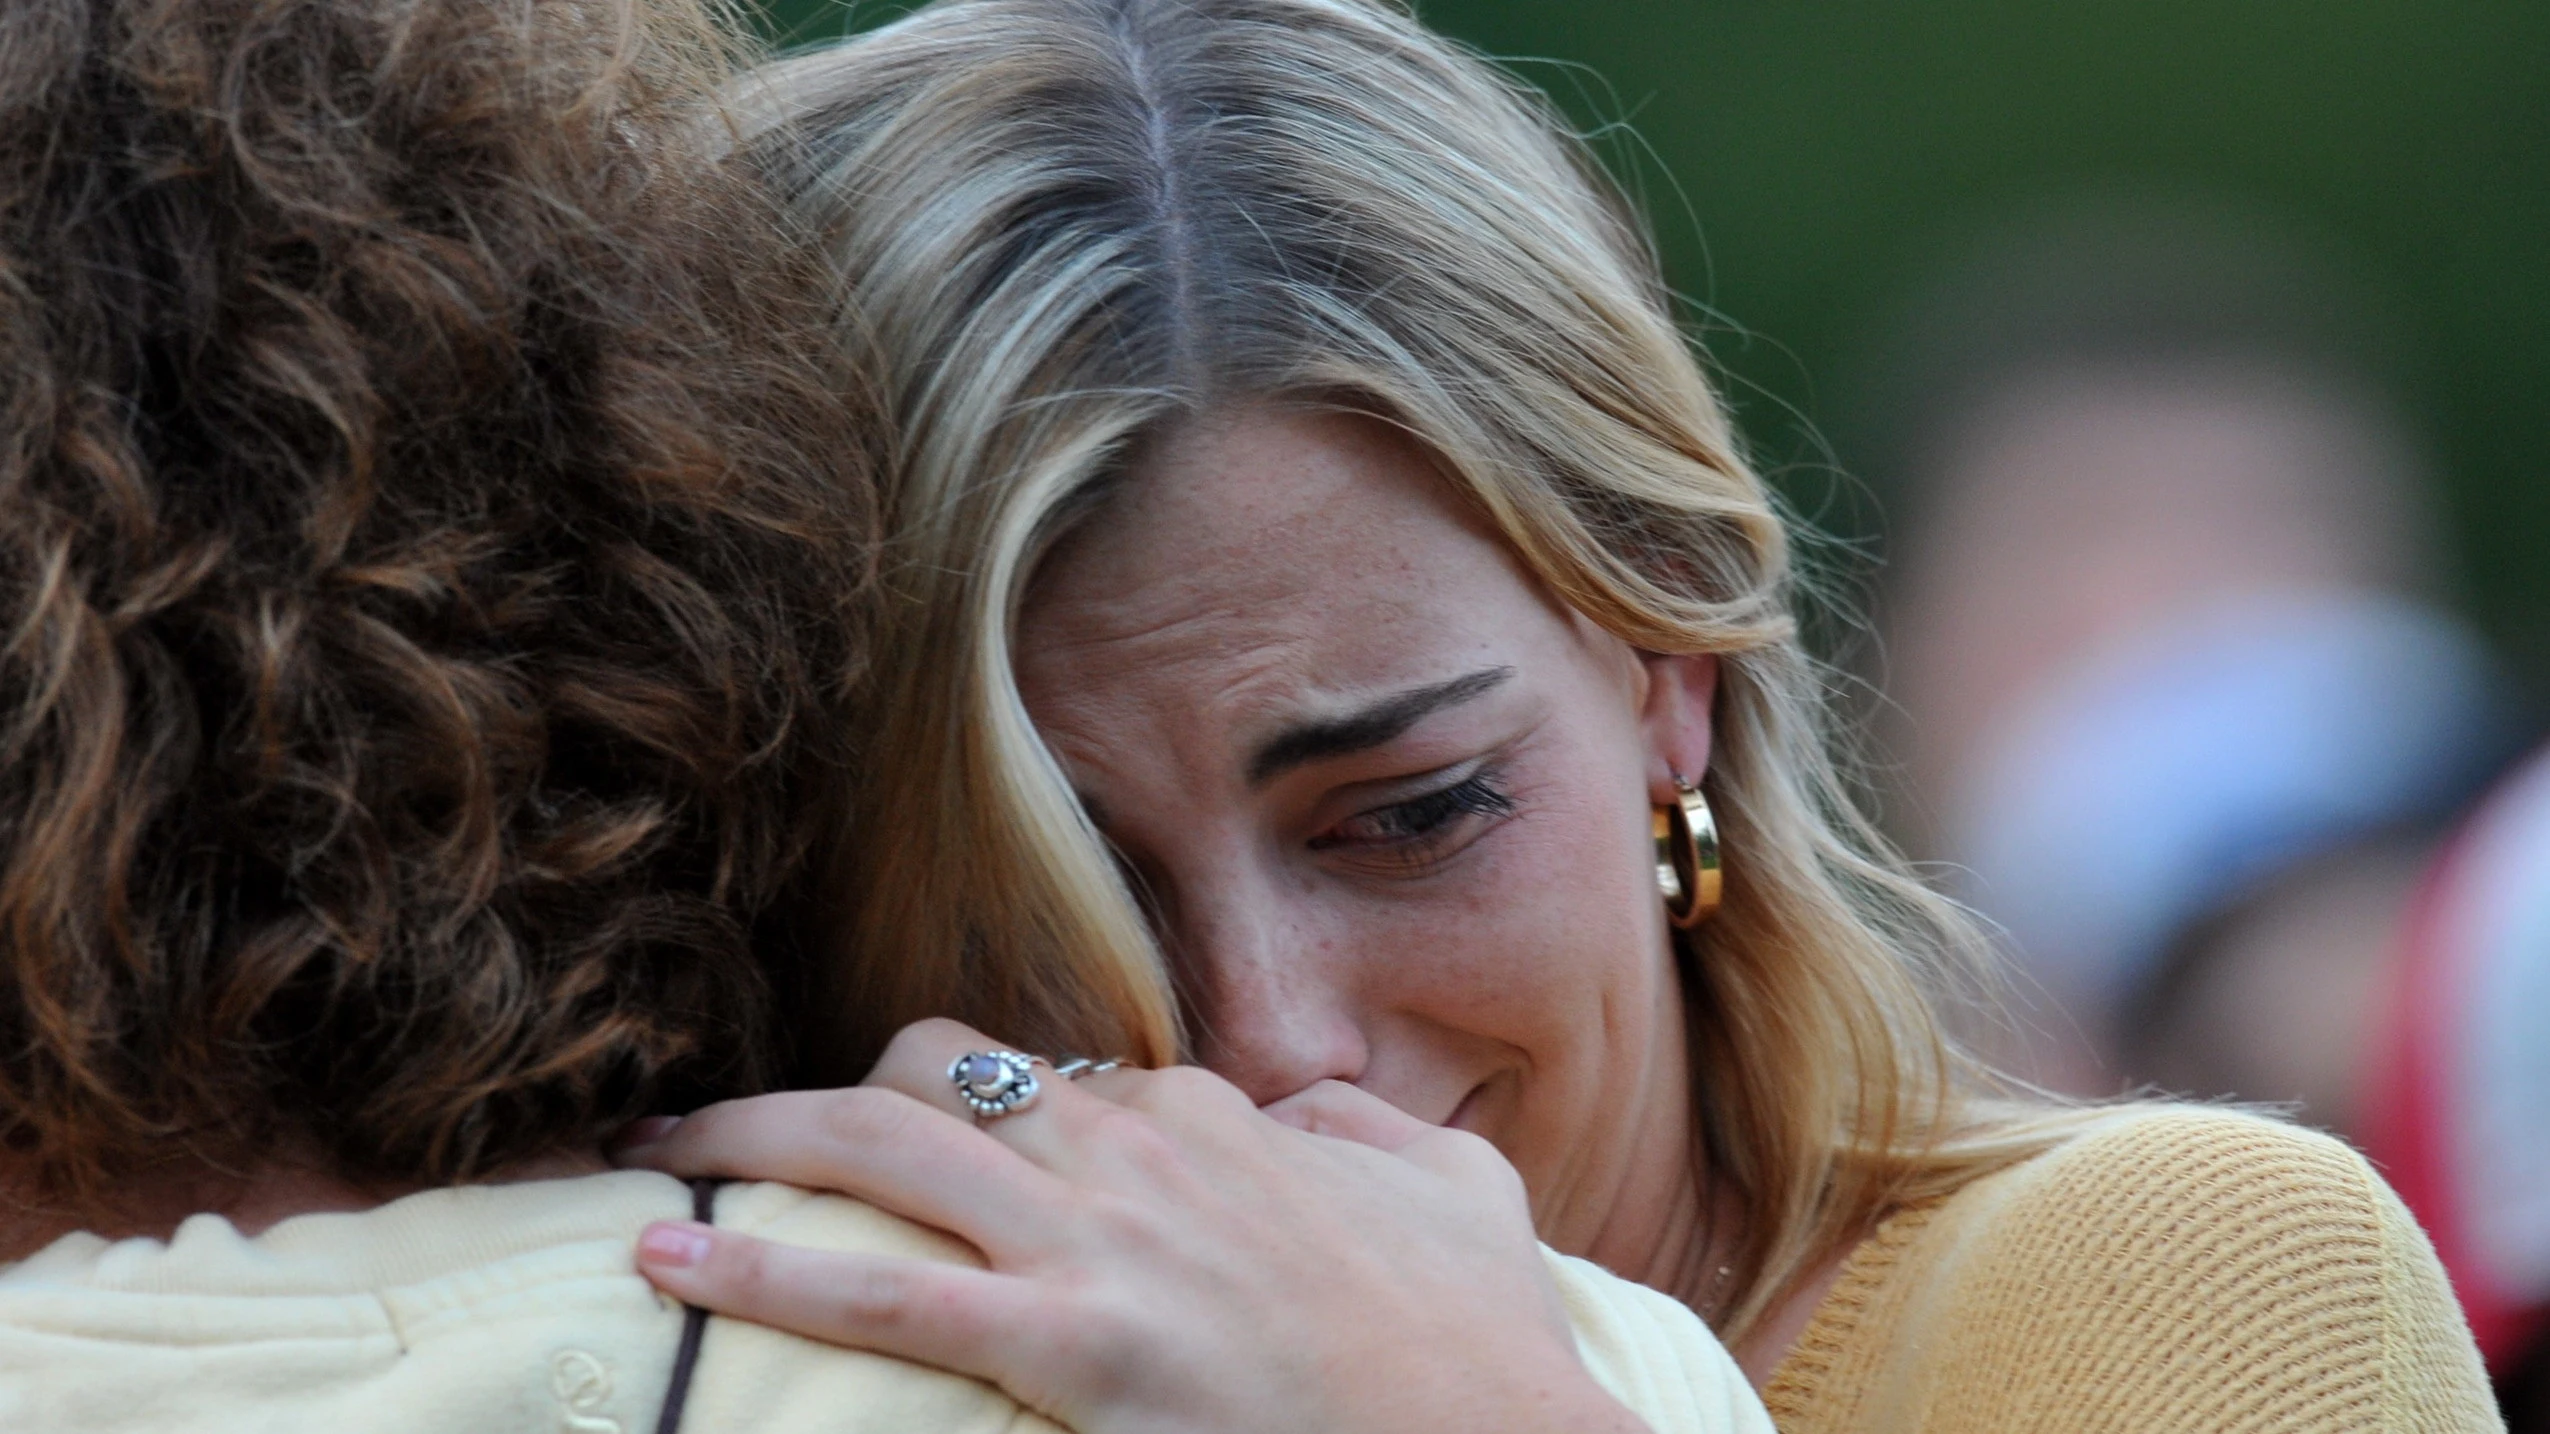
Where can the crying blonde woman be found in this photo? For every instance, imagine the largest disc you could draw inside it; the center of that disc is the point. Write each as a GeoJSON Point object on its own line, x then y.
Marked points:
{"type": "Point", "coordinates": [1333, 638]}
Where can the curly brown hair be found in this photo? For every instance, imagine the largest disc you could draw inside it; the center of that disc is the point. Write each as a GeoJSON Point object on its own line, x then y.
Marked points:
{"type": "Point", "coordinates": [428, 524]}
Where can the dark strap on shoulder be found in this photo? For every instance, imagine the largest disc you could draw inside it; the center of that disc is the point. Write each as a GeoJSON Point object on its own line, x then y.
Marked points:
{"type": "Point", "coordinates": [694, 1323]}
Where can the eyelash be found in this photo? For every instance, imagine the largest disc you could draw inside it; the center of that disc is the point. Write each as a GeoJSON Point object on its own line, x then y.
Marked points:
{"type": "Point", "coordinates": [1411, 828]}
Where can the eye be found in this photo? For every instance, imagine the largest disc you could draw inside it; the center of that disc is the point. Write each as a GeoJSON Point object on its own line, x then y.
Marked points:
{"type": "Point", "coordinates": [1417, 832]}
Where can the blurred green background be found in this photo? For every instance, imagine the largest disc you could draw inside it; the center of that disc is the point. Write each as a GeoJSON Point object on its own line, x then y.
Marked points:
{"type": "Point", "coordinates": [1807, 162]}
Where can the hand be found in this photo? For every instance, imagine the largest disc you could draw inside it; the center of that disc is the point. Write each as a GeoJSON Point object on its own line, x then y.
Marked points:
{"type": "Point", "coordinates": [1163, 1255]}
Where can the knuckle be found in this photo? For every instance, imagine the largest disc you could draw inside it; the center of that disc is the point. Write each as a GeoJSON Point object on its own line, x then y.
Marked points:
{"type": "Point", "coordinates": [742, 1270]}
{"type": "Point", "coordinates": [1467, 1147]}
{"type": "Point", "coordinates": [714, 1133]}
{"type": "Point", "coordinates": [1103, 1348]}
{"type": "Point", "coordinates": [1137, 1140]}
{"type": "Point", "coordinates": [1188, 1083]}
{"type": "Point", "coordinates": [1112, 1125]}
{"type": "Point", "coordinates": [873, 1297]}
{"type": "Point", "coordinates": [1331, 1106]}
{"type": "Point", "coordinates": [1187, 1089]}
{"type": "Point", "coordinates": [861, 1117]}
{"type": "Point", "coordinates": [704, 1124]}
{"type": "Point", "coordinates": [941, 1030]}
{"type": "Point", "coordinates": [925, 1038]}
{"type": "Point", "coordinates": [1474, 1161]}
{"type": "Point", "coordinates": [1132, 1229]}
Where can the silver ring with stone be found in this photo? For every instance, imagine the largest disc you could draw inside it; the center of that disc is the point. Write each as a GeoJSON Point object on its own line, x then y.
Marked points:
{"type": "Point", "coordinates": [994, 1083]}
{"type": "Point", "coordinates": [1079, 1066]}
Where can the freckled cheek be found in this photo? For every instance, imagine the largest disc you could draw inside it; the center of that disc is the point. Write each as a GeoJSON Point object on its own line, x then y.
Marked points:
{"type": "Point", "coordinates": [1535, 946]}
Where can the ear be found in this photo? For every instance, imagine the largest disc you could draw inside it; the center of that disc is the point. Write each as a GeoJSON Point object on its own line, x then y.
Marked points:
{"type": "Point", "coordinates": [1682, 691]}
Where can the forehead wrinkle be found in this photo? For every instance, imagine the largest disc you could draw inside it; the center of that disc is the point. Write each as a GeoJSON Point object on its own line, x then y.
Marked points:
{"type": "Point", "coordinates": [1100, 673]}
{"type": "Point", "coordinates": [1142, 622]}
{"type": "Point", "coordinates": [1167, 625]}
{"type": "Point", "coordinates": [1159, 757]}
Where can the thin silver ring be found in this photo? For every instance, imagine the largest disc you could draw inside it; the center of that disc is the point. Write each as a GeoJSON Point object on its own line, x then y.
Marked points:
{"type": "Point", "coordinates": [994, 1083]}
{"type": "Point", "coordinates": [1079, 1066]}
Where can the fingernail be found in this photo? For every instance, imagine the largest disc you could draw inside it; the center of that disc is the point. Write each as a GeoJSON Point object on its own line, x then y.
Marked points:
{"type": "Point", "coordinates": [646, 1130]}
{"type": "Point", "coordinates": [673, 1244]}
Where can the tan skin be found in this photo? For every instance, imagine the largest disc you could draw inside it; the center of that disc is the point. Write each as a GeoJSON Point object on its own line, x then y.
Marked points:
{"type": "Point", "coordinates": [1390, 801]}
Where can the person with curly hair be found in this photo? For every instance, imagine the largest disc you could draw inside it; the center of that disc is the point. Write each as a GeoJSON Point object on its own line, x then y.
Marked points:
{"type": "Point", "coordinates": [430, 524]}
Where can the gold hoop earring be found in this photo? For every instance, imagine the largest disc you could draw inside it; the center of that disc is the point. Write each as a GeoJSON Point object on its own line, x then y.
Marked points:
{"type": "Point", "coordinates": [1687, 865]}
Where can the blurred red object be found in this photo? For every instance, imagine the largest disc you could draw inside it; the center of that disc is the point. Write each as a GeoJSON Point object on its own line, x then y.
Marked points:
{"type": "Point", "coordinates": [2458, 1116]}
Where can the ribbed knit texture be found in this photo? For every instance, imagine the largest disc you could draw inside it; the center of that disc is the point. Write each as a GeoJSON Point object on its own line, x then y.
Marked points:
{"type": "Point", "coordinates": [2174, 1268]}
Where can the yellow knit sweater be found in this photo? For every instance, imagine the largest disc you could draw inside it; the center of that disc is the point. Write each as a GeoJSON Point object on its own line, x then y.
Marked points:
{"type": "Point", "coordinates": [2171, 1269]}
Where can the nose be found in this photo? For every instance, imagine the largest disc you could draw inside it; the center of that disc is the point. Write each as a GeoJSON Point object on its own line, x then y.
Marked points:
{"type": "Point", "coordinates": [1275, 998]}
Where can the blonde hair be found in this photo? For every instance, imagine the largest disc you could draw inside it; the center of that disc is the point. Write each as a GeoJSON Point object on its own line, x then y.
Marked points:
{"type": "Point", "coordinates": [1067, 224]}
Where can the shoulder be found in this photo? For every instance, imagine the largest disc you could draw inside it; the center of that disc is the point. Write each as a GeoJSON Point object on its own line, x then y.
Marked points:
{"type": "Point", "coordinates": [2178, 1266]}
{"type": "Point", "coordinates": [791, 1215]}
{"type": "Point", "coordinates": [2193, 1184]}
{"type": "Point", "coordinates": [2165, 1212]}
{"type": "Point", "coordinates": [753, 1377]}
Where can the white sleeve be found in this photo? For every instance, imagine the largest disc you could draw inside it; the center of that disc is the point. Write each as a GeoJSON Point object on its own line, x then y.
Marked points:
{"type": "Point", "coordinates": [1653, 1354]}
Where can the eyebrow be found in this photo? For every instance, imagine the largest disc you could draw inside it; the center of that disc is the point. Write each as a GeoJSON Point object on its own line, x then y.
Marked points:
{"type": "Point", "coordinates": [1367, 727]}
